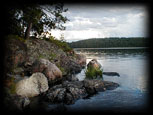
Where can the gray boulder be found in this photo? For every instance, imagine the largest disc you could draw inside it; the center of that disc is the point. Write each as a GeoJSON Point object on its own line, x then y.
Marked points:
{"type": "Point", "coordinates": [32, 86]}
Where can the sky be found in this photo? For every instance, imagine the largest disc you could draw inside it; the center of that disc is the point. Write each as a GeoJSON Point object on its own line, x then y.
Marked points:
{"type": "Point", "coordinates": [101, 21]}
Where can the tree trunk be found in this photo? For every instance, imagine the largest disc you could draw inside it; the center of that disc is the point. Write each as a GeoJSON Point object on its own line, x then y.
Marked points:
{"type": "Point", "coordinates": [27, 33]}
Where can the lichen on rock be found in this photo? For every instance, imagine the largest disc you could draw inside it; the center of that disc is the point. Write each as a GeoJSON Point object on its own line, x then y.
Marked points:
{"type": "Point", "coordinates": [32, 86]}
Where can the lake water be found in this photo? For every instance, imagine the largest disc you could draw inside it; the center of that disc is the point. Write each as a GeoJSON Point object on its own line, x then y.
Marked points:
{"type": "Point", "coordinates": [131, 95]}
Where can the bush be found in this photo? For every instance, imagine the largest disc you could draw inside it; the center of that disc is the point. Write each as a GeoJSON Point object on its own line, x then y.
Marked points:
{"type": "Point", "coordinates": [15, 37]}
{"type": "Point", "coordinates": [61, 44]}
{"type": "Point", "coordinates": [93, 73]}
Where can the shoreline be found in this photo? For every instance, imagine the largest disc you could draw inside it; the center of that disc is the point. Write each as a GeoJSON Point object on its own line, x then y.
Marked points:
{"type": "Point", "coordinates": [115, 48]}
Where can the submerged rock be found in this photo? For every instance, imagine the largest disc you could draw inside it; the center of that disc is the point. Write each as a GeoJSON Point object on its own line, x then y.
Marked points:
{"type": "Point", "coordinates": [111, 73]}
{"type": "Point", "coordinates": [93, 86]}
{"type": "Point", "coordinates": [69, 91]}
{"type": "Point", "coordinates": [32, 86]}
{"type": "Point", "coordinates": [110, 85]}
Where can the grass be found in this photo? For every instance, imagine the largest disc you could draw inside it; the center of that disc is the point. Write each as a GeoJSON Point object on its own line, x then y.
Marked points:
{"type": "Point", "coordinates": [41, 56]}
{"type": "Point", "coordinates": [15, 37]}
{"type": "Point", "coordinates": [61, 44]}
{"type": "Point", "coordinates": [93, 73]}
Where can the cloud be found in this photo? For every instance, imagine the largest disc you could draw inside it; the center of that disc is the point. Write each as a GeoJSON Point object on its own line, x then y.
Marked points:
{"type": "Point", "coordinates": [93, 21]}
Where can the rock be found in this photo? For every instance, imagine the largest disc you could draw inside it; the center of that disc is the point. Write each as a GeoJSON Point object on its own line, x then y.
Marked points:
{"type": "Point", "coordinates": [15, 54]}
{"type": "Point", "coordinates": [93, 86]}
{"type": "Point", "coordinates": [111, 73]}
{"type": "Point", "coordinates": [93, 70]}
{"type": "Point", "coordinates": [56, 95]}
{"type": "Point", "coordinates": [94, 63]}
{"type": "Point", "coordinates": [72, 78]}
{"type": "Point", "coordinates": [51, 71]}
{"type": "Point", "coordinates": [32, 86]}
{"type": "Point", "coordinates": [110, 85]}
{"type": "Point", "coordinates": [18, 70]}
{"type": "Point", "coordinates": [81, 59]}
{"type": "Point", "coordinates": [38, 49]}
{"type": "Point", "coordinates": [16, 102]}
{"type": "Point", "coordinates": [70, 65]}
{"type": "Point", "coordinates": [69, 99]}
{"type": "Point", "coordinates": [67, 92]}
{"type": "Point", "coordinates": [77, 84]}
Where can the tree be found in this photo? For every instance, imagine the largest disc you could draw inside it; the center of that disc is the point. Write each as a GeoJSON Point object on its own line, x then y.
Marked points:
{"type": "Point", "coordinates": [62, 38]}
{"type": "Point", "coordinates": [36, 19]}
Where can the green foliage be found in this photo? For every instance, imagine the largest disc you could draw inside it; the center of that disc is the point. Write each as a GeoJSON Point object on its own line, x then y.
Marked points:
{"type": "Point", "coordinates": [61, 44]}
{"type": "Point", "coordinates": [110, 42]}
{"type": "Point", "coordinates": [93, 73]}
{"type": "Point", "coordinates": [62, 69]}
{"type": "Point", "coordinates": [15, 37]}
{"type": "Point", "coordinates": [41, 56]}
{"type": "Point", "coordinates": [42, 18]}
{"type": "Point", "coordinates": [52, 56]}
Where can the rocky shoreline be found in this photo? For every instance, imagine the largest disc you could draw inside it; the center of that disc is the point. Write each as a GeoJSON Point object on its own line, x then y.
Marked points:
{"type": "Point", "coordinates": [39, 69]}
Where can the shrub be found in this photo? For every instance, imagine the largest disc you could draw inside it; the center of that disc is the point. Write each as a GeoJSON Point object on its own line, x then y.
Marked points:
{"type": "Point", "coordinates": [15, 37]}
{"type": "Point", "coordinates": [61, 44]}
{"type": "Point", "coordinates": [93, 73]}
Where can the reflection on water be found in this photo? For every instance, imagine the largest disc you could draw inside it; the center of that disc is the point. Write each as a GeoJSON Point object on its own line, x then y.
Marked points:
{"type": "Point", "coordinates": [132, 93]}
{"type": "Point", "coordinates": [130, 64]}
{"type": "Point", "coordinates": [132, 67]}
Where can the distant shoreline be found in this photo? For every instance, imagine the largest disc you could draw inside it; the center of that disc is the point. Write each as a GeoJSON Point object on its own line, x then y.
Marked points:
{"type": "Point", "coordinates": [115, 48]}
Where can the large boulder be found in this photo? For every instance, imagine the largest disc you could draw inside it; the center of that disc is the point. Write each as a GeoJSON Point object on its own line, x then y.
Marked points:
{"type": "Point", "coordinates": [93, 70]}
{"type": "Point", "coordinates": [81, 59]}
{"type": "Point", "coordinates": [51, 71]}
{"type": "Point", "coordinates": [70, 65]}
{"type": "Point", "coordinates": [32, 86]}
{"type": "Point", "coordinates": [94, 63]}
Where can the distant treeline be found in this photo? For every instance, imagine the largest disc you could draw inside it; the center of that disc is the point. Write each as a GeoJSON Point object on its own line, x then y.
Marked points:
{"type": "Point", "coordinates": [110, 42]}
